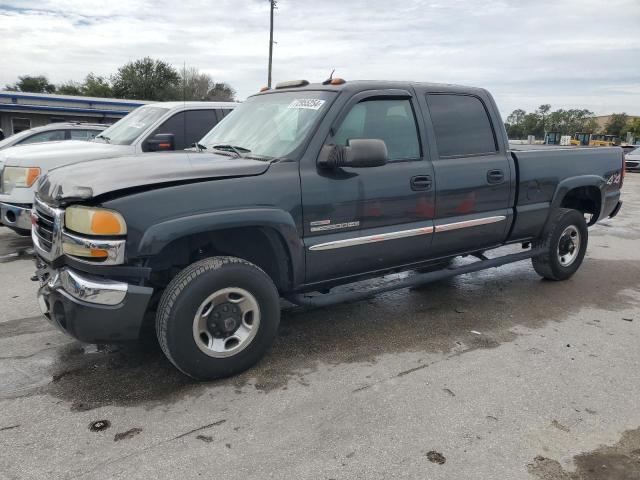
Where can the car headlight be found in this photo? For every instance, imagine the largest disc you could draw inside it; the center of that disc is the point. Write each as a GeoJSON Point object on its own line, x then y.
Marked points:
{"type": "Point", "coordinates": [18, 177]}
{"type": "Point", "coordinates": [94, 221]}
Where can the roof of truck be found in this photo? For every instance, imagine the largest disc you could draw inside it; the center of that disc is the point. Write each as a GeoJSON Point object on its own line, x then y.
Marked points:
{"type": "Point", "coordinates": [179, 104]}
{"type": "Point", "coordinates": [358, 85]}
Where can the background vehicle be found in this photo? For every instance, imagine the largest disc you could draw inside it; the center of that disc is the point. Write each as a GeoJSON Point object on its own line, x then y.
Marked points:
{"type": "Point", "coordinates": [54, 132]}
{"type": "Point", "coordinates": [632, 160]}
{"type": "Point", "coordinates": [580, 139]}
{"type": "Point", "coordinates": [597, 140]}
{"type": "Point", "coordinates": [301, 189]}
{"type": "Point", "coordinates": [154, 127]}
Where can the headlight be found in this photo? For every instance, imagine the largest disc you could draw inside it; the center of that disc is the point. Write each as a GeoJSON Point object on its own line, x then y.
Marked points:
{"type": "Point", "coordinates": [18, 177]}
{"type": "Point", "coordinates": [94, 221]}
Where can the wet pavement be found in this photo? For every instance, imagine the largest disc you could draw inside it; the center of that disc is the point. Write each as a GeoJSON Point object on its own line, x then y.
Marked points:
{"type": "Point", "coordinates": [496, 374]}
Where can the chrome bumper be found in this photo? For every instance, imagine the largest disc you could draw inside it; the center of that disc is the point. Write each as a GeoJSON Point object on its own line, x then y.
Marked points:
{"type": "Point", "coordinates": [84, 288]}
{"type": "Point", "coordinates": [15, 216]}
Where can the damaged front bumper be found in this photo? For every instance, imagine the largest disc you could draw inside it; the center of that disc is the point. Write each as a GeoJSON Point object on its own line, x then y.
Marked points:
{"type": "Point", "coordinates": [91, 308]}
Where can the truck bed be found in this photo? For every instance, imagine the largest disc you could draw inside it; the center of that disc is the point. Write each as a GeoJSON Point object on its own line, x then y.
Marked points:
{"type": "Point", "coordinates": [545, 174]}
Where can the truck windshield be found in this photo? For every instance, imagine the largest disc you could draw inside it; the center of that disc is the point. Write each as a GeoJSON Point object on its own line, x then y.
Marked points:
{"type": "Point", "coordinates": [271, 125]}
{"type": "Point", "coordinates": [126, 130]}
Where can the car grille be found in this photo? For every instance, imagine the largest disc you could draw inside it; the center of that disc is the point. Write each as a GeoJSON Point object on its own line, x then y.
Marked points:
{"type": "Point", "coordinates": [44, 229]}
{"type": "Point", "coordinates": [633, 164]}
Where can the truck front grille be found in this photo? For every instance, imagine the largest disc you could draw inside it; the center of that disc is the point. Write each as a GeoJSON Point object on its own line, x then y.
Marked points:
{"type": "Point", "coordinates": [44, 229]}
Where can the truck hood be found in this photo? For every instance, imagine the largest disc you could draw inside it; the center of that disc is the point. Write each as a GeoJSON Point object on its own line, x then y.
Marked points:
{"type": "Point", "coordinates": [48, 155]}
{"type": "Point", "coordinates": [93, 178]}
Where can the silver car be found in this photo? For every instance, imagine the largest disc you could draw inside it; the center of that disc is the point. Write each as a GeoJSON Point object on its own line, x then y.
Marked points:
{"type": "Point", "coordinates": [632, 160]}
{"type": "Point", "coordinates": [54, 132]}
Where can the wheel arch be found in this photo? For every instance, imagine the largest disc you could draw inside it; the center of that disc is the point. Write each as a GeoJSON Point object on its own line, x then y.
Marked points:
{"type": "Point", "coordinates": [266, 237]}
{"type": "Point", "coordinates": [583, 193]}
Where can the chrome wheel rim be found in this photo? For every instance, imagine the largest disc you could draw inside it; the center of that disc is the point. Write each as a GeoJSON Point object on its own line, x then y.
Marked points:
{"type": "Point", "coordinates": [226, 322]}
{"type": "Point", "coordinates": [568, 246]}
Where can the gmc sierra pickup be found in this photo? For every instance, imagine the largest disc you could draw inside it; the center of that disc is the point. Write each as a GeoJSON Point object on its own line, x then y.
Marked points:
{"type": "Point", "coordinates": [302, 188]}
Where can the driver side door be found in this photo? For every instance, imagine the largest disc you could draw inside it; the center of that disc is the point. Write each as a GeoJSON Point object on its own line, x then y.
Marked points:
{"type": "Point", "coordinates": [359, 220]}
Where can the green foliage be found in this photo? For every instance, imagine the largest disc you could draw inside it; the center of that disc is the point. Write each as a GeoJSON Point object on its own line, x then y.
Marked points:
{"type": "Point", "coordinates": [96, 86]}
{"type": "Point", "coordinates": [634, 128]}
{"type": "Point", "coordinates": [617, 124]}
{"type": "Point", "coordinates": [147, 79]}
{"type": "Point", "coordinates": [144, 79]}
{"type": "Point", "coordinates": [200, 86]}
{"type": "Point", "coordinates": [520, 124]}
{"type": "Point", "coordinates": [33, 84]}
{"type": "Point", "coordinates": [69, 88]}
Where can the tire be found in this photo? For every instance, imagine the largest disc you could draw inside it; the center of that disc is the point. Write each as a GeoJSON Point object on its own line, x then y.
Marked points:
{"type": "Point", "coordinates": [201, 292]}
{"type": "Point", "coordinates": [564, 245]}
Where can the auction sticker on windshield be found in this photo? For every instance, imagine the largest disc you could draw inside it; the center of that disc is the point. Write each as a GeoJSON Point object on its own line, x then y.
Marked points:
{"type": "Point", "coordinates": [307, 103]}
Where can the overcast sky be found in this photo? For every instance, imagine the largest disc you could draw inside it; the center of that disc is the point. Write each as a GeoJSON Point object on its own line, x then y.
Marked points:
{"type": "Point", "coordinates": [569, 53]}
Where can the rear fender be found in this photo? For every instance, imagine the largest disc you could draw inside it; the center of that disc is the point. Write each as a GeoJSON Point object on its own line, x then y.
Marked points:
{"type": "Point", "coordinates": [568, 184]}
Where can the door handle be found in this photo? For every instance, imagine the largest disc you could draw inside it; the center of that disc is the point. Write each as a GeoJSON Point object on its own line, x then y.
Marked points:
{"type": "Point", "coordinates": [420, 182]}
{"type": "Point", "coordinates": [495, 176]}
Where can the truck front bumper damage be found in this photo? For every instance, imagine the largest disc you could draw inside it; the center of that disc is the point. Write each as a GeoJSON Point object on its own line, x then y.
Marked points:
{"type": "Point", "coordinates": [91, 308]}
{"type": "Point", "coordinates": [16, 216]}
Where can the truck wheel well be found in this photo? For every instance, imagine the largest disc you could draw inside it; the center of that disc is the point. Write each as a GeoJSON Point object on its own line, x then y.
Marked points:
{"type": "Point", "coordinates": [584, 199]}
{"type": "Point", "coordinates": [261, 246]}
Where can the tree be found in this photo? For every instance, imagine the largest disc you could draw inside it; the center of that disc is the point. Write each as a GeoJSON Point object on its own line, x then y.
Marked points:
{"type": "Point", "coordinates": [96, 86]}
{"type": "Point", "coordinates": [200, 86]}
{"type": "Point", "coordinates": [633, 128]}
{"type": "Point", "coordinates": [617, 124]}
{"type": "Point", "coordinates": [33, 84]}
{"type": "Point", "coordinates": [222, 92]}
{"type": "Point", "coordinates": [69, 88]}
{"type": "Point", "coordinates": [542, 111]}
{"type": "Point", "coordinates": [147, 79]}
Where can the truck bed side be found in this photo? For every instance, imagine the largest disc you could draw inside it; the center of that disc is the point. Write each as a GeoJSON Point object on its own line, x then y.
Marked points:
{"type": "Point", "coordinates": [548, 178]}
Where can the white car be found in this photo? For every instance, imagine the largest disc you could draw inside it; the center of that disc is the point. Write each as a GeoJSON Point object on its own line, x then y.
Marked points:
{"type": "Point", "coordinates": [54, 132]}
{"type": "Point", "coordinates": [632, 160]}
{"type": "Point", "coordinates": [154, 127]}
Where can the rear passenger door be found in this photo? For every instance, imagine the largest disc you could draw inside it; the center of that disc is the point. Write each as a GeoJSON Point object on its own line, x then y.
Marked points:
{"type": "Point", "coordinates": [359, 220]}
{"type": "Point", "coordinates": [472, 174]}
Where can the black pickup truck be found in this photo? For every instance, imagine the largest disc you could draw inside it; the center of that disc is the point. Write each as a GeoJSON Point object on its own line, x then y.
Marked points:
{"type": "Point", "coordinates": [300, 189]}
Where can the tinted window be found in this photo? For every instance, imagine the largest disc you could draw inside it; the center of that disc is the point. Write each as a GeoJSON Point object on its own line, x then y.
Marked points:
{"type": "Point", "coordinates": [461, 124]}
{"type": "Point", "coordinates": [49, 136]}
{"type": "Point", "coordinates": [388, 120]}
{"type": "Point", "coordinates": [83, 134]}
{"type": "Point", "coordinates": [197, 123]}
{"type": "Point", "coordinates": [174, 125]}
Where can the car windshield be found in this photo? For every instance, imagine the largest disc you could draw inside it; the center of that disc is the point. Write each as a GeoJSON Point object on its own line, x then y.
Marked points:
{"type": "Point", "coordinates": [271, 125]}
{"type": "Point", "coordinates": [126, 130]}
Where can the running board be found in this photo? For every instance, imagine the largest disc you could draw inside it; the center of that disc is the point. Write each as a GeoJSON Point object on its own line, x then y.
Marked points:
{"type": "Point", "coordinates": [484, 263]}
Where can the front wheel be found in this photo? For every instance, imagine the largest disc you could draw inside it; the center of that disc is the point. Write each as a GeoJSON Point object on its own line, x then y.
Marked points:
{"type": "Point", "coordinates": [218, 317]}
{"type": "Point", "coordinates": [564, 246]}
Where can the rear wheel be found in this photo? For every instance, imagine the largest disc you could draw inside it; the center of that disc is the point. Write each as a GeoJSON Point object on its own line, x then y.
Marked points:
{"type": "Point", "coordinates": [218, 317]}
{"type": "Point", "coordinates": [564, 245]}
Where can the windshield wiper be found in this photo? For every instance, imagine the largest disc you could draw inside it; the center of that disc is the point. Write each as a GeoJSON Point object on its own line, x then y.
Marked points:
{"type": "Point", "coordinates": [106, 139]}
{"type": "Point", "coordinates": [235, 149]}
{"type": "Point", "coordinates": [198, 146]}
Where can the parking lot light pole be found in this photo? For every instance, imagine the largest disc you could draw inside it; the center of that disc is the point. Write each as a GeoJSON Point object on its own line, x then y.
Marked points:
{"type": "Point", "coordinates": [273, 6]}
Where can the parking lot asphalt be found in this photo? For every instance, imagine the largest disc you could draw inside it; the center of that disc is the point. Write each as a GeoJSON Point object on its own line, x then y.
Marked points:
{"type": "Point", "coordinates": [491, 375]}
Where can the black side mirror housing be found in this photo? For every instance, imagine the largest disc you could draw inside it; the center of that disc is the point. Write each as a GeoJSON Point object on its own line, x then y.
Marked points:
{"type": "Point", "coordinates": [359, 153]}
{"type": "Point", "coordinates": [161, 142]}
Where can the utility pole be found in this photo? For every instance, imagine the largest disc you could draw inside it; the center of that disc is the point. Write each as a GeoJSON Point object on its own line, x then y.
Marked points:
{"type": "Point", "coordinates": [273, 6]}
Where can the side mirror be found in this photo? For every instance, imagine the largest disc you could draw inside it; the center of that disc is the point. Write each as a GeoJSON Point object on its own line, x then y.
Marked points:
{"type": "Point", "coordinates": [161, 142]}
{"type": "Point", "coordinates": [359, 153]}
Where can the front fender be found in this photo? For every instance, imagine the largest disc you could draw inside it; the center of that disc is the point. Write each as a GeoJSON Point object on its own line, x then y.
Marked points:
{"type": "Point", "coordinates": [158, 236]}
